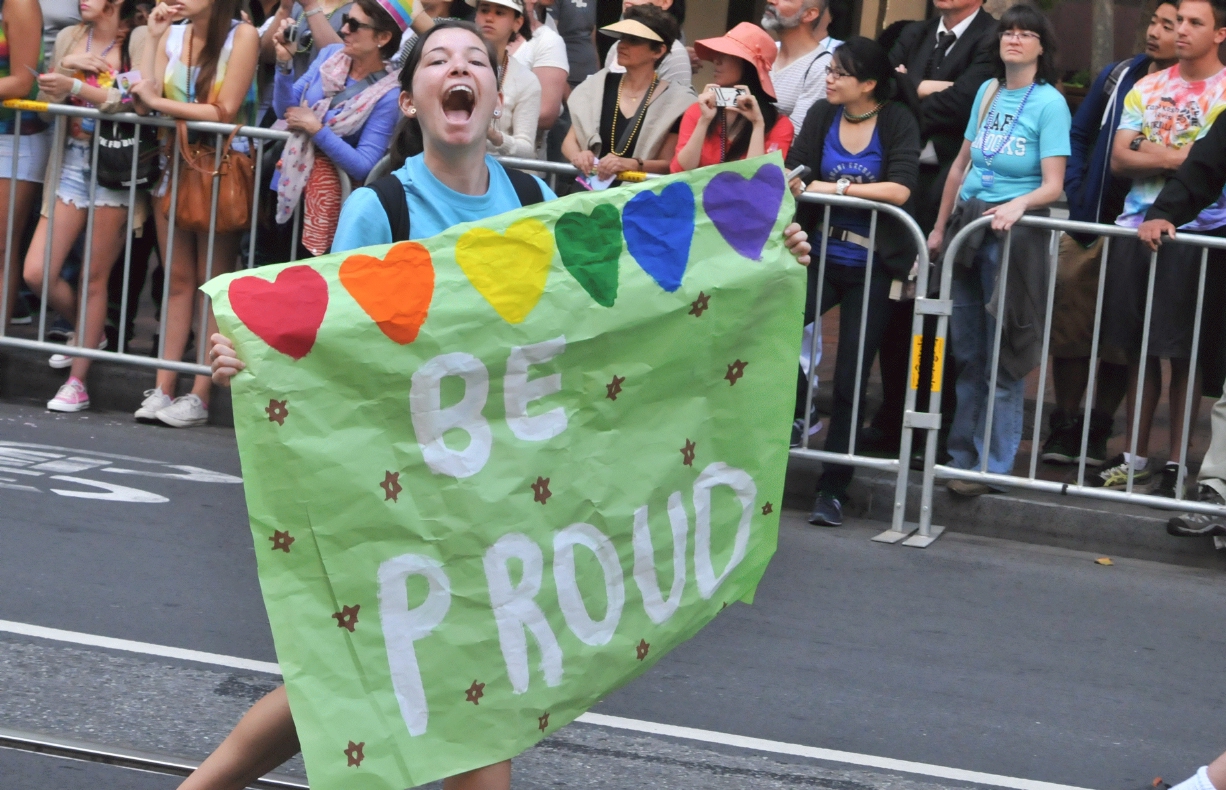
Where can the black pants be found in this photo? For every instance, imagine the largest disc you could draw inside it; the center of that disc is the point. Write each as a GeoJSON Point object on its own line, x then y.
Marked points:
{"type": "Point", "coordinates": [844, 286]}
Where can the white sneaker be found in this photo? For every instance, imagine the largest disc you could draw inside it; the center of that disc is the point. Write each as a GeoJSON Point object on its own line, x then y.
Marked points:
{"type": "Point", "coordinates": [155, 400]}
{"type": "Point", "coordinates": [71, 397]}
{"type": "Point", "coordinates": [61, 361]}
{"type": "Point", "coordinates": [185, 412]}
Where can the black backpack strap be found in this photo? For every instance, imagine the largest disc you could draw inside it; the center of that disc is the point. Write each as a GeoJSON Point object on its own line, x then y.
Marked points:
{"type": "Point", "coordinates": [527, 188]}
{"type": "Point", "coordinates": [391, 195]}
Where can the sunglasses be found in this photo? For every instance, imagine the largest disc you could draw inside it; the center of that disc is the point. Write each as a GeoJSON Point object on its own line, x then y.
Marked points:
{"type": "Point", "coordinates": [354, 25]}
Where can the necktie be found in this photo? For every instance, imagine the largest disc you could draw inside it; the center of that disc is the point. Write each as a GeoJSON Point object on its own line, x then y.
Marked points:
{"type": "Point", "coordinates": [944, 42]}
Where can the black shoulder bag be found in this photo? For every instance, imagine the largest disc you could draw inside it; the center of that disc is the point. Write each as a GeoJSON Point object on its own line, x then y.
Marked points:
{"type": "Point", "coordinates": [119, 143]}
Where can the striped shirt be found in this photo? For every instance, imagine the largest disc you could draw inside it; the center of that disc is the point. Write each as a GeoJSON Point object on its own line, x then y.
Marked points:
{"type": "Point", "coordinates": [803, 81]}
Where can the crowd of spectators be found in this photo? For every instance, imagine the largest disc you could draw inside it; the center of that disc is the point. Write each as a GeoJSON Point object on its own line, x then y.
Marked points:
{"type": "Point", "coordinates": [951, 119]}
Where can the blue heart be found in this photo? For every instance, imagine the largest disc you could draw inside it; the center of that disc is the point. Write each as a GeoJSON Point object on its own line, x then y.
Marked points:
{"type": "Point", "coordinates": [658, 230]}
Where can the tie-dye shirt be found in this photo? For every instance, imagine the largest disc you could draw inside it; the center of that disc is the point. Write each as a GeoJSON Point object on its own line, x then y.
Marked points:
{"type": "Point", "coordinates": [30, 122]}
{"type": "Point", "coordinates": [175, 82]}
{"type": "Point", "coordinates": [1171, 112]}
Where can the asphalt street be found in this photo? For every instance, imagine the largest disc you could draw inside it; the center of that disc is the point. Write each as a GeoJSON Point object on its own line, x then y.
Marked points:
{"type": "Point", "coordinates": [985, 655]}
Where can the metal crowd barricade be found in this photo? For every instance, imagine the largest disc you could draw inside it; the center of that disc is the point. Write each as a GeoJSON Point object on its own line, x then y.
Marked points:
{"type": "Point", "coordinates": [933, 470]}
{"type": "Point", "coordinates": [62, 112]}
{"type": "Point", "coordinates": [900, 530]}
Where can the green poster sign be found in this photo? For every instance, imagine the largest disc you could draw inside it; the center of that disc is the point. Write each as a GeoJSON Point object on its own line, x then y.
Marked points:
{"type": "Point", "coordinates": [495, 474]}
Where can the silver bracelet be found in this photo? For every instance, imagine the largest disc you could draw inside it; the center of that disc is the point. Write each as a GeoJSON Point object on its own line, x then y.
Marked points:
{"type": "Point", "coordinates": [312, 13]}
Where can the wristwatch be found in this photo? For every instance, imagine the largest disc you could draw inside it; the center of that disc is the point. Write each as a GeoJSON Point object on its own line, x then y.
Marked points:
{"type": "Point", "coordinates": [1135, 145]}
{"type": "Point", "coordinates": [840, 186]}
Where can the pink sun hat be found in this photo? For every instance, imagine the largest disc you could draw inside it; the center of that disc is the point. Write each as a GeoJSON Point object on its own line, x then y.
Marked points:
{"type": "Point", "coordinates": [748, 42]}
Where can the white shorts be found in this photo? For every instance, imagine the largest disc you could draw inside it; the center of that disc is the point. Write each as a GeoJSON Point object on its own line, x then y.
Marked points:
{"type": "Point", "coordinates": [31, 156]}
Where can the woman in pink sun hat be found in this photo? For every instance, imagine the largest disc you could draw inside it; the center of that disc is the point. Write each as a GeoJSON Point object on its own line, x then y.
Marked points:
{"type": "Point", "coordinates": [749, 127]}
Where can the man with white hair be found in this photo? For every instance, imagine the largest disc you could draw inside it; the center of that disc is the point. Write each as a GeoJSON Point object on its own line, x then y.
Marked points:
{"type": "Point", "coordinates": [799, 73]}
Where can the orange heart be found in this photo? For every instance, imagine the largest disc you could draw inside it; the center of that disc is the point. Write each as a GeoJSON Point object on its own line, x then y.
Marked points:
{"type": "Point", "coordinates": [395, 291]}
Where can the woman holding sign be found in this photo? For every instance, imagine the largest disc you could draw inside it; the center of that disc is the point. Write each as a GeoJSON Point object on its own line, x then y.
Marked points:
{"type": "Point", "coordinates": [449, 95]}
{"type": "Point", "coordinates": [1011, 163]}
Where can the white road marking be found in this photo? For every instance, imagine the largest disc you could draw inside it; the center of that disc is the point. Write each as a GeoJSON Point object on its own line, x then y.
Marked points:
{"type": "Point", "coordinates": [597, 719]}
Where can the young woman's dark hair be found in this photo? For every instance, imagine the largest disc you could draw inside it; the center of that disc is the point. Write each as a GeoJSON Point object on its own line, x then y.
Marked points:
{"type": "Point", "coordinates": [661, 22]}
{"type": "Point", "coordinates": [127, 13]}
{"type": "Point", "coordinates": [1025, 16]}
{"type": "Point", "coordinates": [406, 139]}
{"type": "Point", "coordinates": [738, 147]}
{"type": "Point", "coordinates": [383, 23]}
{"type": "Point", "coordinates": [677, 9]}
{"type": "Point", "coordinates": [224, 12]}
{"type": "Point", "coordinates": [865, 60]}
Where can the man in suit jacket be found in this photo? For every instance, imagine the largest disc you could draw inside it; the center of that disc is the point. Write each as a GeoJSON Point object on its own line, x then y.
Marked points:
{"type": "Point", "coordinates": [943, 61]}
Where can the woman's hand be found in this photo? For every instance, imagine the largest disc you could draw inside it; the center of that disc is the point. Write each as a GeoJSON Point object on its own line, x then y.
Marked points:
{"type": "Point", "coordinates": [280, 43]}
{"type": "Point", "coordinates": [85, 61]}
{"type": "Point", "coordinates": [1006, 214]}
{"type": "Point", "coordinates": [55, 86]}
{"type": "Point", "coordinates": [706, 105]}
{"type": "Point", "coordinates": [612, 165]}
{"type": "Point", "coordinates": [160, 18]}
{"type": "Point", "coordinates": [748, 107]}
{"type": "Point", "coordinates": [797, 242]}
{"type": "Point", "coordinates": [302, 119]}
{"type": "Point", "coordinates": [584, 162]}
{"type": "Point", "coordinates": [147, 91]}
{"type": "Point", "coordinates": [797, 186]}
{"type": "Point", "coordinates": [935, 240]}
{"type": "Point", "coordinates": [494, 136]}
{"type": "Point", "coordinates": [225, 361]}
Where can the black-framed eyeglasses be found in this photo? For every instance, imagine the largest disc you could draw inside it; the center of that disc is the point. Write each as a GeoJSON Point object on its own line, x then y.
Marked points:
{"type": "Point", "coordinates": [354, 25]}
{"type": "Point", "coordinates": [838, 73]}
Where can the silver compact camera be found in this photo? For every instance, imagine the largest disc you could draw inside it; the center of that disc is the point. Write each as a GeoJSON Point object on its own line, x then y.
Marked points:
{"type": "Point", "coordinates": [726, 97]}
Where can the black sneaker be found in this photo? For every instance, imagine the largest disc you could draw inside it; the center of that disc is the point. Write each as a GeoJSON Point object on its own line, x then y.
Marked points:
{"type": "Point", "coordinates": [22, 316]}
{"type": "Point", "coordinates": [827, 511]}
{"type": "Point", "coordinates": [1063, 445]}
{"type": "Point", "coordinates": [1195, 525]}
{"type": "Point", "coordinates": [1165, 481]}
{"type": "Point", "coordinates": [1100, 431]}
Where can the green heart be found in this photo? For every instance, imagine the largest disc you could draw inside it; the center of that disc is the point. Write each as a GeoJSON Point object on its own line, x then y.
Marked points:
{"type": "Point", "coordinates": [590, 246]}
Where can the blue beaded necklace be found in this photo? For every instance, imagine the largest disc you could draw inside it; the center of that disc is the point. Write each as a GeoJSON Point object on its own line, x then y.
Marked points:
{"type": "Point", "coordinates": [987, 177]}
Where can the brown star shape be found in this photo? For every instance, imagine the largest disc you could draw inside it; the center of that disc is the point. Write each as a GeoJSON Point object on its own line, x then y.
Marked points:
{"type": "Point", "coordinates": [700, 305]}
{"type": "Point", "coordinates": [353, 753]}
{"type": "Point", "coordinates": [540, 490]}
{"type": "Point", "coordinates": [475, 692]}
{"type": "Point", "coordinates": [642, 649]}
{"type": "Point", "coordinates": [614, 388]}
{"type": "Point", "coordinates": [687, 453]}
{"type": "Point", "coordinates": [735, 371]}
{"type": "Point", "coordinates": [281, 540]}
{"type": "Point", "coordinates": [542, 721]}
{"type": "Point", "coordinates": [276, 411]}
{"type": "Point", "coordinates": [347, 617]}
{"type": "Point", "coordinates": [767, 509]}
{"type": "Point", "coordinates": [391, 486]}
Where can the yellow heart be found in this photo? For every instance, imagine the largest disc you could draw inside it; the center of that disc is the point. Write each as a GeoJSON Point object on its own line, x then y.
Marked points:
{"type": "Point", "coordinates": [508, 269]}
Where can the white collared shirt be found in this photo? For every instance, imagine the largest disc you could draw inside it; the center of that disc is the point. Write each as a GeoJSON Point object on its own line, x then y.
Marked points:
{"type": "Point", "coordinates": [958, 29]}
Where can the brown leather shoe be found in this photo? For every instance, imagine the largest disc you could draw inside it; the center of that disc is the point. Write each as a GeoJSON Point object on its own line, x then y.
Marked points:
{"type": "Point", "coordinates": [967, 488]}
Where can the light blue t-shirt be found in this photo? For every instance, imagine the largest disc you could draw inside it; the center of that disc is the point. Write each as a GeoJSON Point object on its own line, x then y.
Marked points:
{"type": "Point", "coordinates": [1040, 132]}
{"type": "Point", "coordinates": [433, 206]}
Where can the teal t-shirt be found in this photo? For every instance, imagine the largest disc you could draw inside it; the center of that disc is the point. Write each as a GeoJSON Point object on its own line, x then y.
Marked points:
{"type": "Point", "coordinates": [1040, 132]}
{"type": "Point", "coordinates": [433, 206]}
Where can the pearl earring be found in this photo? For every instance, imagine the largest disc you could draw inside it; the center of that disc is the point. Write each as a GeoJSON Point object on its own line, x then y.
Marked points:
{"type": "Point", "coordinates": [497, 113]}
{"type": "Point", "coordinates": [412, 111]}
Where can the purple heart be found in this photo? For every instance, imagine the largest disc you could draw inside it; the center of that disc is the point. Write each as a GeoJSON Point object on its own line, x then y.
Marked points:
{"type": "Point", "coordinates": [745, 210]}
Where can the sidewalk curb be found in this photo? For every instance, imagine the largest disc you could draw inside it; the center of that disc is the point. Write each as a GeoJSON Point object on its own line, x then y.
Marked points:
{"type": "Point", "coordinates": [26, 376]}
{"type": "Point", "coordinates": [1104, 528]}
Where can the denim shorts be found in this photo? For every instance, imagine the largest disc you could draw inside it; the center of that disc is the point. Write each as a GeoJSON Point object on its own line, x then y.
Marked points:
{"type": "Point", "coordinates": [31, 156]}
{"type": "Point", "coordinates": [75, 176]}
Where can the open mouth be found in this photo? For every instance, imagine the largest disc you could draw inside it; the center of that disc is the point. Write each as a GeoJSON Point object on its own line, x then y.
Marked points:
{"type": "Point", "coordinates": [458, 103]}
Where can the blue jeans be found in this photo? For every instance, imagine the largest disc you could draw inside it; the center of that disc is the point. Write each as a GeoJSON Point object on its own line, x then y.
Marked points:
{"type": "Point", "coordinates": [972, 333]}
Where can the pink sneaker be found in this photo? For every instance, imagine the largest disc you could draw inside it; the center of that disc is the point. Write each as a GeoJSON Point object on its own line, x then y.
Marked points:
{"type": "Point", "coordinates": [71, 397]}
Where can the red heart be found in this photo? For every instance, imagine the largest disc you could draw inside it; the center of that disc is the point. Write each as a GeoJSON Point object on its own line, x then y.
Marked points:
{"type": "Point", "coordinates": [285, 313]}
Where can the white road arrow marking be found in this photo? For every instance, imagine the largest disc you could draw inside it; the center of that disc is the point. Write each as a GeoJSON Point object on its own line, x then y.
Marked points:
{"type": "Point", "coordinates": [114, 493]}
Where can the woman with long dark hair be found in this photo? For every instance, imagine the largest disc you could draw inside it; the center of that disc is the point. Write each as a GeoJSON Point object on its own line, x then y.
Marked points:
{"type": "Point", "coordinates": [749, 127]}
{"type": "Point", "coordinates": [449, 96]}
{"type": "Point", "coordinates": [861, 142]}
{"type": "Point", "coordinates": [1011, 163]}
{"type": "Point", "coordinates": [199, 71]}
{"type": "Point", "coordinates": [83, 66]}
